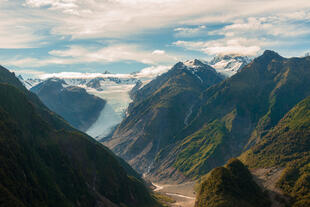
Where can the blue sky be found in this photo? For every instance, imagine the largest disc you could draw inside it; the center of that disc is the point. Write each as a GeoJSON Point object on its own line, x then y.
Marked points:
{"type": "Point", "coordinates": [123, 36]}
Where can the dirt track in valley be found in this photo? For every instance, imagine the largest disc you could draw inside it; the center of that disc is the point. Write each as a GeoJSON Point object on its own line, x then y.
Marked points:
{"type": "Point", "coordinates": [183, 193]}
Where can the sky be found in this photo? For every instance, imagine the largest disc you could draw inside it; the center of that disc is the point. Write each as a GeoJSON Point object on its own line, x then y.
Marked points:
{"type": "Point", "coordinates": [39, 37]}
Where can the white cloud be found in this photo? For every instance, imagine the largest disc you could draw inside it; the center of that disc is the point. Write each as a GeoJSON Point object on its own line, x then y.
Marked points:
{"type": "Point", "coordinates": [114, 53]}
{"type": "Point", "coordinates": [158, 52]}
{"type": "Point", "coordinates": [233, 50]}
{"type": "Point", "coordinates": [248, 36]}
{"type": "Point", "coordinates": [279, 26]}
{"type": "Point", "coordinates": [72, 51]}
{"type": "Point", "coordinates": [20, 28]}
{"type": "Point", "coordinates": [153, 71]}
{"type": "Point", "coordinates": [145, 73]}
{"type": "Point", "coordinates": [36, 62]}
{"type": "Point", "coordinates": [35, 22]}
{"type": "Point", "coordinates": [78, 75]}
{"type": "Point", "coordinates": [15, 34]}
{"type": "Point", "coordinates": [64, 5]}
{"type": "Point", "coordinates": [119, 18]}
{"type": "Point", "coordinates": [237, 46]}
{"type": "Point", "coordinates": [28, 72]}
{"type": "Point", "coordinates": [190, 31]}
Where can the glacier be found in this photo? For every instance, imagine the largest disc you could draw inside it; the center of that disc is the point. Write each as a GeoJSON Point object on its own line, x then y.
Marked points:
{"type": "Point", "coordinates": [105, 123]}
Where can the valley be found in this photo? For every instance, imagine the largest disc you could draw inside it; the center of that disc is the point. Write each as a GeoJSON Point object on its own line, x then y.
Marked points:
{"type": "Point", "coordinates": [195, 132]}
{"type": "Point", "coordinates": [119, 92]}
{"type": "Point", "coordinates": [183, 194]}
{"type": "Point", "coordinates": [154, 103]}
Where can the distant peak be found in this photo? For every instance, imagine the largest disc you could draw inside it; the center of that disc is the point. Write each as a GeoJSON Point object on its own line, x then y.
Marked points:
{"type": "Point", "coordinates": [219, 58]}
{"type": "Point", "coordinates": [268, 56]}
{"type": "Point", "coordinates": [272, 54]}
{"type": "Point", "coordinates": [56, 80]}
{"type": "Point", "coordinates": [229, 65]}
{"type": "Point", "coordinates": [194, 63]}
{"type": "Point", "coordinates": [20, 77]}
{"type": "Point", "coordinates": [179, 65]}
{"type": "Point", "coordinates": [197, 62]}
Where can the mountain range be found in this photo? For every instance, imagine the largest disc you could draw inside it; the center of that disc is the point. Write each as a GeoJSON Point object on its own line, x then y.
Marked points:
{"type": "Point", "coordinates": [116, 92]}
{"type": "Point", "coordinates": [160, 110]}
{"type": "Point", "coordinates": [73, 103]}
{"type": "Point", "coordinates": [93, 105]}
{"type": "Point", "coordinates": [46, 162]}
{"type": "Point", "coordinates": [229, 65]}
{"type": "Point", "coordinates": [237, 126]}
{"type": "Point", "coordinates": [191, 119]}
{"type": "Point", "coordinates": [279, 161]}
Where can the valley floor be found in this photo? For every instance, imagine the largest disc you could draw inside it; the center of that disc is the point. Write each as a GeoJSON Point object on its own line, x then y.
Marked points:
{"type": "Point", "coordinates": [183, 194]}
{"type": "Point", "coordinates": [267, 178]}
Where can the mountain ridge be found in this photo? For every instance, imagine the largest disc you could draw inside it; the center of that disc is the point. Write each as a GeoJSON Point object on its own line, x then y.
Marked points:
{"type": "Point", "coordinates": [45, 162]}
{"type": "Point", "coordinates": [226, 119]}
{"type": "Point", "coordinates": [161, 97]}
{"type": "Point", "coordinates": [73, 103]}
{"type": "Point", "coordinates": [279, 162]}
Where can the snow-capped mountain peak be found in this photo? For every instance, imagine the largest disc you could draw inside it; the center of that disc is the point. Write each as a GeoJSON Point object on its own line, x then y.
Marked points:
{"type": "Point", "coordinates": [194, 63]}
{"type": "Point", "coordinates": [228, 65]}
{"type": "Point", "coordinates": [30, 82]}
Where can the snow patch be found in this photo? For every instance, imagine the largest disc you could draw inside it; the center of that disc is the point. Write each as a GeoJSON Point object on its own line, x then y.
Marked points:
{"type": "Point", "coordinates": [229, 65]}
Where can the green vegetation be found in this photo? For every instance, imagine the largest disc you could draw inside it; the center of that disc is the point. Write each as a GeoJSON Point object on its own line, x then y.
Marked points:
{"type": "Point", "coordinates": [45, 162]}
{"type": "Point", "coordinates": [287, 145]}
{"type": "Point", "coordinates": [295, 182]}
{"type": "Point", "coordinates": [197, 150]}
{"type": "Point", "coordinates": [288, 141]}
{"type": "Point", "coordinates": [164, 199]}
{"type": "Point", "coordinates": [231, 186]}
{"type": "Point", "coordinates": [236, 113]}
{"type": "Point", "coordinates": [158, 113]}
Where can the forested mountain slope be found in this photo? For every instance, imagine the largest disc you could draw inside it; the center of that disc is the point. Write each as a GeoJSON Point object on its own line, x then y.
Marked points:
{"type": "Point", "coordinates": [45, 162]}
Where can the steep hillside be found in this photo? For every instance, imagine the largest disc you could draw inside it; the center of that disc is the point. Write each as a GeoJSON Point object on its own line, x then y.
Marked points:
{"type": "Point", "coordinates": [45, 162]}
{"type": "Point", "coordinates": [73, 103]}
{"type": "Point", "coordinates": [159, 111]}
{"type": "Point", "coordinates": [231, 186]}
{"type": "Point", "coordinates": [30, 82]}
{"type": "Point", "coordinates": [235, 114]}
{"type": "Point", "coordinates": [287, 145]}
{"type": "Point", "coordinates": [56, 121]}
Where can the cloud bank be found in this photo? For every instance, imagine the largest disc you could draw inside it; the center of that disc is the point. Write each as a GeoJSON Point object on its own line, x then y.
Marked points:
{"type": "Point", "coordinates": [146, 73]}
{"type": "Point", "coordinates": [118, 29]}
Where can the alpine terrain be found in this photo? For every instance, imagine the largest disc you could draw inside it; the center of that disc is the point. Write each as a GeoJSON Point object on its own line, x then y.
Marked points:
{"type": "Point", "coordinates": [46, 162]}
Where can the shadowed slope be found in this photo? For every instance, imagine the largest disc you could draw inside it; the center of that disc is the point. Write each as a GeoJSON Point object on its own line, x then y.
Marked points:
{"type": "Point", "coordinates": [44, 165]}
